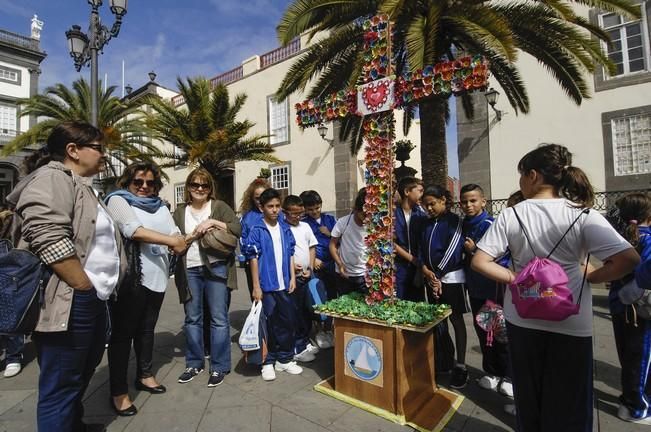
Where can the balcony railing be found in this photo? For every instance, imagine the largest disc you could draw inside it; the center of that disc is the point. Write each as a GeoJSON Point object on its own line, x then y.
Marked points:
{"type": "Point", "coordinates": [225, 78]}
{"type": "Point", "coordinates": [19, 40]}
{"type": "Point", "coordinates": [603, 202]}
{"type": "Point", "coordinates": [280, 54]}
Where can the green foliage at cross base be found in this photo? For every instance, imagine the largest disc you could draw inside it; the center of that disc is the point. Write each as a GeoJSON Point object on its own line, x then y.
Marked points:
{"type": "Point", "coordinates": [392, 311]}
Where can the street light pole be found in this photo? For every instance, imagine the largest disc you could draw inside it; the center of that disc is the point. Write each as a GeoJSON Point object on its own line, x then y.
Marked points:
{"type": "Point", "coordinates": [85, 49]}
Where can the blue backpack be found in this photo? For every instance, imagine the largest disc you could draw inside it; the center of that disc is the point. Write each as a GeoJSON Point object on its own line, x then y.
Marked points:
{"type": "Point", "coordinates": [23, 277]}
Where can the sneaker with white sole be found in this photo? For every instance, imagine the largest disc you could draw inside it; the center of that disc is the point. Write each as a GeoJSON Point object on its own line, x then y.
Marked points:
{"type": "Point", "coordinates": [268, 372]}
{"type": "Point", "coordinates": [291, 368]}
{"type": "Point", "coordinates": [189, 374]}
{"type": "Point", "coordinates": [625, 414]}
{"type": "Point", "coordinates": [12, 369]}
{"type": "Point", "coordinates": [510, 409]}
{"type": "Point", "coordinates": [488, 382]}
{"type": "Point", "coordinates": [313, 349]}
{"type": "Point", "coordinates": [304, 356]}
{"type": "Point", "coordinates": [322, 340]}
{"type": "Point", "coordinates": [506, 388]}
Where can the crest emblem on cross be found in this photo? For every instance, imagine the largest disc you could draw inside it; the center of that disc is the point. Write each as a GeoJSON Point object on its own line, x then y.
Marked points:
{"type": "Point", "coordinates": [375, 99]}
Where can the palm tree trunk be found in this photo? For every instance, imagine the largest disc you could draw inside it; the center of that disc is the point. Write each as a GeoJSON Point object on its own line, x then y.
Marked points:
{"type": "Point", "coordinates": [433, 148]}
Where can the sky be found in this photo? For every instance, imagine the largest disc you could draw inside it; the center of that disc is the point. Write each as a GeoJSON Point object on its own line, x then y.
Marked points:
{"type": "Point", "coordinates": [171, 37]}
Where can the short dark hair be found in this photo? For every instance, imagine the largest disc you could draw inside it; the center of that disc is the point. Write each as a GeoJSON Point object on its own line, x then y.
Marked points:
{"type": "Point", "coordinates": [311, 198]}
{"type": "Point", "coordinates": [292, 200]}
{"type": "Point", "coordinates": [360, 199]}
{"type": "Point", "coordinates": [407, 183]}
{"type": "Point", "coordinates": [130, 172]}
{"type": "Point", "coordinates": [268, 195]}
{"type": "Point", "coordinates": [471, 187]}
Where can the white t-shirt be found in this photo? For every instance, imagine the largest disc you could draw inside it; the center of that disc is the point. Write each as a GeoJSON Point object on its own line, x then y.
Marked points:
{"type": "Point", "coordinates": [192, 219]}
{"type": "Point", "coordinates": [305, 239]}
{"type": "Point", "coordinates": [545, 221]}
{"type": "Point", "coordinates": [277, 240]}
{"type": "Point", "coordinates": [352, 249]}
{"type": "Point", "coordinates": [103, 263]}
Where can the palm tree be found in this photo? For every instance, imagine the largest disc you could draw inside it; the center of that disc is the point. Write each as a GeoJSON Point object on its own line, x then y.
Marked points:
{"type": "Point", "coordinates": [206, 130]}
{"type": "Point", "coordinates": [122, 123]}
{"type": "Point", "coordinates": [427, 31]}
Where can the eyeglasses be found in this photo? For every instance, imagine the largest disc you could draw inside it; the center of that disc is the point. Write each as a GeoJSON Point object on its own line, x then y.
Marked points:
{"type": "Point", "coordinates": [140, 182]}
{"type": "Point", "coordinates": [197, 186]}
{"type": "Point", "coordinates": [97, 147]}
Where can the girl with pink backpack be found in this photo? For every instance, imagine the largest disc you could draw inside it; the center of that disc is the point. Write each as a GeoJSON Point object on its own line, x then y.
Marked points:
{"type": "Point", "coordinates": [547, 305]}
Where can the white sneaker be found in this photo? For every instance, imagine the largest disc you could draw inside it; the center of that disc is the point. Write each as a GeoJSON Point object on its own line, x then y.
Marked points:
{"type": "Point", "coordinates": [506, 388]}
{"type": "Point", "coordinates": [311, 348]}
{"type": "Point", "coordinates": [488, 382]}
{"type": "Point", "coordinates": [291, 368]}
{"type": "Point", "coordinates": [624, 414]}
{"type": "Point", "coordinates": [12, 369]}
{"type": "Point", "coordinates": [268, 372]}
{"type": "Point", "coordinates": [304, 356]}
{"type": "Point", "coordinates": [510, 409]}
{"type": "Point", "coordinates": [323, 341]}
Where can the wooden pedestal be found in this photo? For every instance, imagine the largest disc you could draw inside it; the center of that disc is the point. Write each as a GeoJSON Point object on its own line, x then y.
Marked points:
{"type": "Point", "coordinates": [389, 371]}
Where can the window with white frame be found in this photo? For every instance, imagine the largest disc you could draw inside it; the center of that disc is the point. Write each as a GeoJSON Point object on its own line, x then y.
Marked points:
{"type": "Point", "coordinates": [179, 193]}
{"type": "Point", "coordinates": [278, 121]}
{"type": "Point", "coordinates": [8, 120]}
{"type": "Point", "coordinates": [8, 74]}
{"type": "Point", "coordinates": [280, 179]}
{"type": "Point", "coordinates": [632, 144]}
{"type": "Point", "coordinates": [629, 44]}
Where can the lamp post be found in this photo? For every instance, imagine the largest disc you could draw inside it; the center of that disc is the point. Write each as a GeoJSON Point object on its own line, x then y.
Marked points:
{"type": "Point", "coordinates": [491, 97]}
{"type": "Point", "coordinates": [84, 48]}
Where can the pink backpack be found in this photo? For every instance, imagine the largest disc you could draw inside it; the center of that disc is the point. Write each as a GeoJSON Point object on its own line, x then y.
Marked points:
{"type": "Point", "coordinates": [540, 290]}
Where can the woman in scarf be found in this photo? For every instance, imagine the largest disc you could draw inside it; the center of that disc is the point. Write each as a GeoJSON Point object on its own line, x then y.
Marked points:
{"type": "Point", "coordinates": [148, 229]}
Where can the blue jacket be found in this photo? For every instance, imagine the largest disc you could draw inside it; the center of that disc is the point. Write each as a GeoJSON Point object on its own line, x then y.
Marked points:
{"type": "Point", "coordinates": [323, 247]}
{"type": "Point", "coordinates": [441, 246]}
{"type": "Point", "coordinates": [260, 246]}
{"type": "Point", "coordinates": [479, 286]}
{"type": "Point", "coordinates": [248, 219]}
{"type": "Point", "coordinates": [642, 272]}
{"type": "Point", "coordinates": [408, 240]}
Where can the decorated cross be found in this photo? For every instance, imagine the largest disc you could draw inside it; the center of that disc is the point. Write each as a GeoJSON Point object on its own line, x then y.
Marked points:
{"type": "Point", "coordinates": [375, 100]}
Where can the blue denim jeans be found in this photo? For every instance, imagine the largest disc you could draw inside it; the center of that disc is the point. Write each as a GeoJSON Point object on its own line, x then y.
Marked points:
{"type": "Point", "coordinates": [14, 346]}
{"type": "Point", "coordinates": [210, 288]}
{"type": "Point", "coordinates": [67, 361]}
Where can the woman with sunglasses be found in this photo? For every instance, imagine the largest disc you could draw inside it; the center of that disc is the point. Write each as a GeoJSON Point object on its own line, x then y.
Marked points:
{"type": "Point", "coordinates": [148, 229]}
{"type": "Point", "coordinates": [71, 231]}
{"type": "Point", "coordinates": [202, 277]}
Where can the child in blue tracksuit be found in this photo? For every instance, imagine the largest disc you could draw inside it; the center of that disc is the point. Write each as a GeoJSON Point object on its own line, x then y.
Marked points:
{"type": "Point", "coordinates": [322, 225]}
{"type": "Point", "coordinates": [475, 223]}
{"type": "Point", "coordinates": [441, 252]}
{"type": "Point", "coordinates": [633, 333]}
{"type": "Point", "coordinates": [270, 250]}
{"type": "Point", "coordinates": [408, 220]}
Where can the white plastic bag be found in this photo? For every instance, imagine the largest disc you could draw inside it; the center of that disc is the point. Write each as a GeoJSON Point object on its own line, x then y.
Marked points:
{"type": "Point", "coordinates": [249, 339]}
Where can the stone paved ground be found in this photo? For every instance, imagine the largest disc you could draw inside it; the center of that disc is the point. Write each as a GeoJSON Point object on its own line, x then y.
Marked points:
{"type": "Point", "coordinates": [245, 403]}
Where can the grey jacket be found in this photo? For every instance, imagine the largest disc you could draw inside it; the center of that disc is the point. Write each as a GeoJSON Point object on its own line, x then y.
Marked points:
{"type": "Point", "coordinates": [221, 212]}
{"type": "Point", "coordinates": [57, 211]}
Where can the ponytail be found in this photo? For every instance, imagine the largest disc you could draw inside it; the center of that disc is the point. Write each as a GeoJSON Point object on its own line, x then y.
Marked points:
{"type": "Point", "coordinates": [37, 159]}
{"type": "Point", "coordinates": [576, 187]}
{"type": "Point", "coordinates": [554, 163]}
{"type": "Point", "coordinates": [633, 209]}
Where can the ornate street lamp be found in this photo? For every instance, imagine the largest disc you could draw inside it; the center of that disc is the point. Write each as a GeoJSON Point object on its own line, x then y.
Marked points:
{"type": "Point", "coordinates": [491, 97]}
{"type": "Point", "coordinates": [84, 48]}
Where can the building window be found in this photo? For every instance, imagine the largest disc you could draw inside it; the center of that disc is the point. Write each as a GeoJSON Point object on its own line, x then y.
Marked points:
{"type": "Point", "coordinates": [179, 192]}
{"type": "Point", "coordinates": [278, 113]}
{"type": "Point", "coordinates": [280, 179]}
{"type": "Point", "coordinates": [8, 74]}
{"type": "Point", "coordinates": [629, 46]}
{"type": "Point", "coordinates": [8, 115]}
{"type": "Point", "coordinates": [632, 144]}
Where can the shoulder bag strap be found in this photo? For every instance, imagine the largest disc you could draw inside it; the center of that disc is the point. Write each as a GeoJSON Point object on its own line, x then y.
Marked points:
{"type": "Point", "coordinates": [585, 275]}
{"type": "Point", "coordinates": [585, 211]}
{"type": "Point", "coordinates": [524, 231]}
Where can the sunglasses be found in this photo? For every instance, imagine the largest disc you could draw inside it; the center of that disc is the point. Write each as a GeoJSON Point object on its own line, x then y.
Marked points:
{"type": "Point", "coordinates": [197, 186]}
{"type": "Point", "coordinates": [97, 147]}
{"type": "Point", "coordinates": [140, 182]}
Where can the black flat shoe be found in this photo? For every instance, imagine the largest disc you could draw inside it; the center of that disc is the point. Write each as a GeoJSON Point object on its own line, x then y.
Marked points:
{"type": "Point", "coordinates": [127, 412]}
{"type": "Point", "coordinates": [153, 390]}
